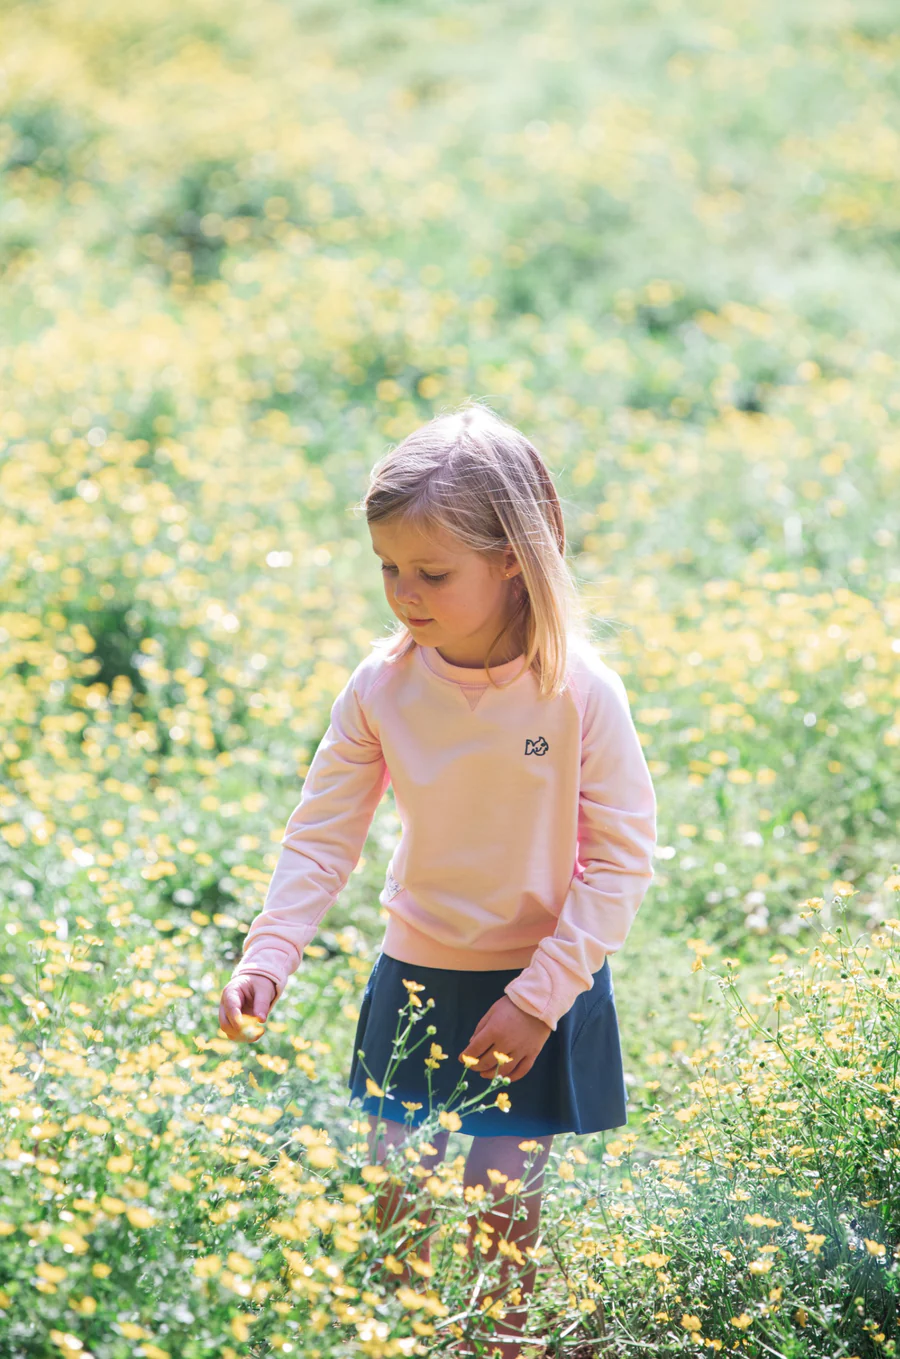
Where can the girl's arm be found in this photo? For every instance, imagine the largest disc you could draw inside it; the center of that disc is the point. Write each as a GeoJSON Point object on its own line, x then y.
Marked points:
{"type": "Point", "coordinates": [616, 840]}
{"type": "Point", "coordinates": [323, 840]}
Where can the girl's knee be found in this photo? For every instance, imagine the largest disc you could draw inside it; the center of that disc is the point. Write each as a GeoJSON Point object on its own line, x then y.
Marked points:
{"type": "Point", "coordinates": [506, 1155]}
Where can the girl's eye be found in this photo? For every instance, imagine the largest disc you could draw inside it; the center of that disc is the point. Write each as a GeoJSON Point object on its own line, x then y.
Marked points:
{"type": "Point", "coordinates": [433, 579]}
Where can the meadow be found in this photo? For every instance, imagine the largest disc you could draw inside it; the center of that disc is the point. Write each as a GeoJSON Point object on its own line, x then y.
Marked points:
{"type": "Point", "coordinates": [246, 249]}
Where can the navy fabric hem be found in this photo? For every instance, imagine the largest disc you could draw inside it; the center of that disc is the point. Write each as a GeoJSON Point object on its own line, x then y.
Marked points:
{"type": "Point", "coordinates": [575, 1085]}
{"type": "Point", "coordinates": [492, 1123]}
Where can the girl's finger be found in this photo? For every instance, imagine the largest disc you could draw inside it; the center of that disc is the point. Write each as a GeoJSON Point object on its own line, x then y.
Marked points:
{"type": "Point", "coordinates": [489, 1065]}
{"type": "Point", "coordinates": [483, 1047]}
{"type": "Point", "coordinates": [519, 1070]}
{"type": "Point", "coordinates": [483, 1023]}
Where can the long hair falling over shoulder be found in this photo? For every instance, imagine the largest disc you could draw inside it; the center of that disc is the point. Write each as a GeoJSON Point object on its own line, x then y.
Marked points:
{"type": "Point", "coordinates": [476, 477]}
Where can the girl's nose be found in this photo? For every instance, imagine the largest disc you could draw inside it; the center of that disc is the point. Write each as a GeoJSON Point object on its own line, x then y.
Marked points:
{"type": "Point", "coordinates": [405, 597]}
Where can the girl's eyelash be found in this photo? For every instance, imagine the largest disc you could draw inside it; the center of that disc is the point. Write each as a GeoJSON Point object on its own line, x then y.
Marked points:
{"type": "Point", "coordinates": [433, 579]}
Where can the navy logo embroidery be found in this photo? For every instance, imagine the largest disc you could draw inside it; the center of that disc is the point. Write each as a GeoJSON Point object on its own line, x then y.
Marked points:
{"type": "Point", "coordinates": [538, 747]}
{"type": "Point", "coordinates": [391, 887]}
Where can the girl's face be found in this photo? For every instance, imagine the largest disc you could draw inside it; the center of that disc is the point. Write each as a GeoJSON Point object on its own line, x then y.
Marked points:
{"type": "Point", "coordinates": [465, 597]}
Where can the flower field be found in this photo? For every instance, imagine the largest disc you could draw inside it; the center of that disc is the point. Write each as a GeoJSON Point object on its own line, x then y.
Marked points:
{"type": "Point", "coordinates": [244, 249]}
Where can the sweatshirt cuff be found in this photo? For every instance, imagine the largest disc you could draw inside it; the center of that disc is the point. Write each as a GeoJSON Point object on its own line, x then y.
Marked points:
{"type": "Point", "coordinates": [534, 992]}
{"type": "Point", "coordinates": [255, 972]}
{"type": "Point", "coordinates": [269, 962]}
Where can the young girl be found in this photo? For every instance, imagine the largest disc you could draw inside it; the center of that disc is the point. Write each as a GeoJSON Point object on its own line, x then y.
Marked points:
{"type": "Point", "coordinates": [528, 818]}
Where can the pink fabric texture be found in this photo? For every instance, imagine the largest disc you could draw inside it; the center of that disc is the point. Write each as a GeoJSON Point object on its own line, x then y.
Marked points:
{"type": "Point", "coordinates": [528, 824]}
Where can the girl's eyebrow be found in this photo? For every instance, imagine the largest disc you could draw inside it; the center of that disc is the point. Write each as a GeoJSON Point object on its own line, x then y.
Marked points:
{"type": "Point", "coordinates": [423, 561]}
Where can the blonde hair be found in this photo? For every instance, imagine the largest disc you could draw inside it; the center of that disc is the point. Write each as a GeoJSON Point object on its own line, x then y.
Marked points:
{"type": "Point", "coordinates": [479, 479]}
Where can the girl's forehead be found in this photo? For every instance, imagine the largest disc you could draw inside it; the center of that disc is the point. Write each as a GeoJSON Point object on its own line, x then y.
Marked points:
{"type": "Point", "coordinates": [409, 539]}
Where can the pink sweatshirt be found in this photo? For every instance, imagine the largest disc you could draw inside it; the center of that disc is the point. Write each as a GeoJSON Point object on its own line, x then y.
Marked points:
{"type": "Point", "coordinates": [528, 824]}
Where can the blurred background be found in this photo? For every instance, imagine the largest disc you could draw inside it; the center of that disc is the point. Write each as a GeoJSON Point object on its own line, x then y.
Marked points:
{"type": "Point", "coordinates": [246, 248]}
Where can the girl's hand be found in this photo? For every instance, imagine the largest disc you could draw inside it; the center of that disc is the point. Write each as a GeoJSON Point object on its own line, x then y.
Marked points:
{"type": "Point", "coordinates": [508, 1030]}
{"type": "Point", "coordinates": [248, 995]}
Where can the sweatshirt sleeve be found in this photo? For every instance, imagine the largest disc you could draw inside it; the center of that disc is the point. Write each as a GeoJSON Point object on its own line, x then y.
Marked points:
{"type": "Point", "coordinates": [616, 840]}
{"type": "Point", "coordinates": [322, 843]}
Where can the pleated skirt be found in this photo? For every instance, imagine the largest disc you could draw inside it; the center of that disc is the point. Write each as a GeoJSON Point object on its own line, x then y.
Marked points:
{"type": "Point", "coordinates": [576, 1084]}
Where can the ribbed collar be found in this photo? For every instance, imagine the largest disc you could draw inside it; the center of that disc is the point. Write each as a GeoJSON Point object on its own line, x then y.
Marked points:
{"type": "Point", "coordinates": [469, 678]}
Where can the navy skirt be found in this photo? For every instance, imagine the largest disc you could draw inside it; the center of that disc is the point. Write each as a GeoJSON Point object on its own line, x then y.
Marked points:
{"type": "Point", "coordinates": [576, 1084]}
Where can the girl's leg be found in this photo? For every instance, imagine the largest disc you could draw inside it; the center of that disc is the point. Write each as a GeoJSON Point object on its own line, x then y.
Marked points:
{"type": "Point", "coordinates": [389, 1203]}
{"type": "Point", "coordinates": [505, 1155]}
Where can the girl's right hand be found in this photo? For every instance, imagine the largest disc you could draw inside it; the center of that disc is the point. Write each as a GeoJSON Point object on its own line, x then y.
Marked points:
{"type": "Point", "coordinates": [248, 995]}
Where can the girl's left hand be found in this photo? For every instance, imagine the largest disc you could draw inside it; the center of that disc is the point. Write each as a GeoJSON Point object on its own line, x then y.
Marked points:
{"type": "Point", "coordinates": [510, 1031]}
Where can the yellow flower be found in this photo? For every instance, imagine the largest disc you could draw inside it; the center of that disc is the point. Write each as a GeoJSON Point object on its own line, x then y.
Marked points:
{"type": "Point", "coordinates": [437, 1055]}
{"type": "Point", "coordinates": [322, 1157]}
{"type": "Point", "coordinates": [373, 1174]}
{"type": "Point", "coordinates": [207, 1265]}
{"type": "Point", "coordinates": [240, 1326]}
{"type": "Point", "coordinates": [502, 1057]}
{"type": "Point", "coordinates": [449, 1120]}
{"type": "Point", "coordinates": [759, 1266]}
{"type": "Point", "coordinates": [53, 1273]}
{"type": "Point", "coordinates": [133, 1331]}
{"type": "Point", "coordinates": [140, 1217]}
{"type": "Point", "coordinates": [502, 1101]}
{"type": "Point", "coordinates": [372, 1088]}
